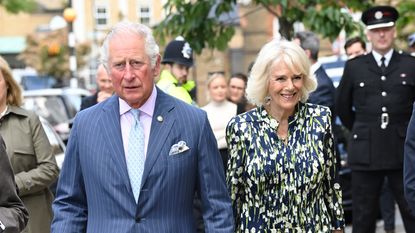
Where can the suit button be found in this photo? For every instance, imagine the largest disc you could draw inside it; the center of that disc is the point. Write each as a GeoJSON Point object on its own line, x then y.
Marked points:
{"type": "Point", "coordinates": [384, 93]}
{"type": "Point", "coordinates": [137, 219]}
{"type": "Point", "coordinates": [355, 136]}
{"type": "Point", "coordinates": [383, 78]}
{"type": "Point", "coordinates": [362, 84]}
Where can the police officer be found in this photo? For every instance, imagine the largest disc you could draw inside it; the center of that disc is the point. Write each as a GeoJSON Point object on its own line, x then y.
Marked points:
{"type": "Point", "coordinates": [178, 59]}
{"type": "Point", "coordinates": [374, 100]}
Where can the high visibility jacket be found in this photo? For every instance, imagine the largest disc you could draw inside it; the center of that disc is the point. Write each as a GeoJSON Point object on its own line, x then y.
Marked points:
{"type": "Point", "coordinates": [169, 84]}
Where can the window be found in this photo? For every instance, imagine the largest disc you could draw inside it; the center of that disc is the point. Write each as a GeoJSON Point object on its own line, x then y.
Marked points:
{"type": "Point", "coordinates": [144, 15]}
{"type": "Point", "coordinates": [101, 16]}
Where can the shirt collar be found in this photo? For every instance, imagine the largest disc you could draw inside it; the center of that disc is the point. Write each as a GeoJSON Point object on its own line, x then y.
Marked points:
{"type": "Point", "coordinates": [147, 108]}
{"type": "Point", "coordinates": [314, 67]}
{"type": "Point", "coordinates": [378, 56]}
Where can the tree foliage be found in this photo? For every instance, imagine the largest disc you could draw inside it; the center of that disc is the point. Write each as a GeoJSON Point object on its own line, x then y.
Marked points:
{"type": "Point", "coordinates": [198, 21]}
{"type": "Point", "coordinates": [406, 21]}
{"type": "Point", "coordinates": [48, 54]}
{"type": "Point", "coordinates": [16, 6]}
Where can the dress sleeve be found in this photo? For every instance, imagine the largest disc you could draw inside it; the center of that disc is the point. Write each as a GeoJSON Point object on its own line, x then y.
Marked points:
{"type": "Point", "coordinates": [236, 167]}
{"type": "Point", "coordinates": [332, 190]}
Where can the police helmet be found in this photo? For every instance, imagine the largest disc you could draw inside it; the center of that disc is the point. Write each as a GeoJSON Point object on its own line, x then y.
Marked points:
{"type": "Point", "coordinates": [178, 51]}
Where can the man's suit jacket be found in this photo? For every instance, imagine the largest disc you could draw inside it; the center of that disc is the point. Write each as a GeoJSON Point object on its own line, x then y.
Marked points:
{"type": "Point", "coordinates": [89, 101]}
{"type": "Point", "coordinates": [94, 192]}
{"type": "Point", "coordinates": [325, 93]}
{"type": "Point", "coordinates": [13, 214]}
{"type": "Point", "coordinates": [409, 163]}
{"type": "Point", "coordinates": [365, 97]}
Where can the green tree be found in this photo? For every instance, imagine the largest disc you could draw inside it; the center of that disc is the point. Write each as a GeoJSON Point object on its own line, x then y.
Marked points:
{"type": "Point", "coordinates": [16, 6]}
{"type": "Point", "coordinates": [48, 54]}
{"type": "Point", "coordinates": [198, 21]}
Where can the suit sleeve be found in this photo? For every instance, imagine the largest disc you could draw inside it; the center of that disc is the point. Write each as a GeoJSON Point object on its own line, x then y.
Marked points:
{"type": "Point", "coordinates": [13, 214]}
{"type": "Point", "coordinates": [70, 205]}
{"type": "Point", "coordinates": [409, 163]}
{"type": "Point", "coordinates": [217, 209]}
{"type": "Point", "coordinates": [344, 98]}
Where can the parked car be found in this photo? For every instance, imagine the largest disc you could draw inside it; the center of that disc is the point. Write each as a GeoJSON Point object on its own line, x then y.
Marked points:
{"type": "Point", "coordinates": [58, 147]}
{"type": "Point", "coordinates": [57, 105]}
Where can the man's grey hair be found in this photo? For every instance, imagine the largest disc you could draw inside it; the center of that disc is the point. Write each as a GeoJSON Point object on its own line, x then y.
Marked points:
{"type": "Point", "coordinates": [309, 41]}
{"type": "Point", "coordinates": [150, 45]}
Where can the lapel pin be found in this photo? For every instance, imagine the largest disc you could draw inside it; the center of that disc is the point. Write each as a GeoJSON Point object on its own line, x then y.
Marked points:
{"type": "Point", "coordinates": [159, 118]}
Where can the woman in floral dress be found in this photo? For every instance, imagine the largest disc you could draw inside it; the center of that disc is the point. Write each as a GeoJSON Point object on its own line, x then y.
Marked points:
{"type": "Point", "coordinates": [281, 172]}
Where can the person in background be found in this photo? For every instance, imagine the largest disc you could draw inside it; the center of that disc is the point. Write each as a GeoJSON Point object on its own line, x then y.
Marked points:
{"type": "Point", "coordinates": [376, 94]}
{"type": "Point", "coordinates": [354, 47]}
{"type": "Point", "coordinates": [326, 92]}
{"type": "Point", "coordinates": [281, 169]}
{"type": "Point", "coordinates": [177, 60]}
{"type": "Point", "coordinates": [237, 86]}
{"type": "Point", "coordinates": [104, 91]}
{"type": "Point", "coordinates": [409, 162]}
{"type": "Point", "coordinates": [411, 44]}
{"type": "Point", "coordinates": [13, 214]}
{"type": "Point", "coordinates": [219, 111]}
{"type": "Point", "coordinates": [29, 151]}
{"type": "Point", "coordinates": [134, 162]}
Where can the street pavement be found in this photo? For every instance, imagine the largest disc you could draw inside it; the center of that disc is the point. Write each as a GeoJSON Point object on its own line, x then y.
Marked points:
{"type": "Point", "coordinates": [379, 226]}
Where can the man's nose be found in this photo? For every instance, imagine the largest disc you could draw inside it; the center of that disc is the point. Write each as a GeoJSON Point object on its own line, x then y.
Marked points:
{"type": "Point", "coordinates": [128, 71]}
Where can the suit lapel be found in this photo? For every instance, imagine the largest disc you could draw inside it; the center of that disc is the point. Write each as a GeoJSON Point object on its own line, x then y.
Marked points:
{"type": "Point", "coordinates": [393, 63]}
{"type": "Point", "coordinates": [372, 64]}
{"type": "Point", "coordinates": [112, 135]}
{"type": "Point", "coordinates": [160, 129]}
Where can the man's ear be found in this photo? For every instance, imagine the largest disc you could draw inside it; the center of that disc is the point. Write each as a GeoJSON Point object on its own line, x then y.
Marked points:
{"type": "Point", "coordinates": [156, 69]}
{"type": "Point", "coordinates": [308, 52]}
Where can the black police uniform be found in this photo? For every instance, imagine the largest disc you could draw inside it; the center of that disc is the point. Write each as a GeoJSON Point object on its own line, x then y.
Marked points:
{"type": "Point", "coordinates": [376, 107]}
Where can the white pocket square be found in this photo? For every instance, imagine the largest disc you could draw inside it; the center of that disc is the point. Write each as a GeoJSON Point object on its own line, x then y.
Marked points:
{"type": "Point", "coordinates": [178, 148]}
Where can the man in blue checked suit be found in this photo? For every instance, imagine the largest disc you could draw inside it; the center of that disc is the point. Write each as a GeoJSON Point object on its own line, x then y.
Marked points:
{"type": "Point", "coordinates": [139, 173]}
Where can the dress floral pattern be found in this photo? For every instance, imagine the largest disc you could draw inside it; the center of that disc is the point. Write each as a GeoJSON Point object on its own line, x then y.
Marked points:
{"type": "Point", "coordinates": [278, 187]}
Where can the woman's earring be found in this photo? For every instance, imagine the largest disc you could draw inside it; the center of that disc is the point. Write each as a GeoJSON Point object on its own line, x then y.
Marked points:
{"type": "Point", "coordinates": [267, 100]}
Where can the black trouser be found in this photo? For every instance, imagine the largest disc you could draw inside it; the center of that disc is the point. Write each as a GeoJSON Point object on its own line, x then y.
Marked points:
{"type": "Point", "coordinates": [366, 189]}
{"type": "Point", "coordinates": [387, 206]}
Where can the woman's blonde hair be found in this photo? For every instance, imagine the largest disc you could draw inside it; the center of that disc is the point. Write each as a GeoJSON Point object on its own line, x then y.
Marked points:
{"type": "Point", "coordinates": [275, 51]}
{"type": "Point", "coordinates": [212, 76]}
{"type": "Point", "coordinates": [14, 92]}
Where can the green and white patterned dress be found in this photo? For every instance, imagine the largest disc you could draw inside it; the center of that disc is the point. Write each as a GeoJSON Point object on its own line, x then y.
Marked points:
{"type": "Point", "coordinates": [278, 187]}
